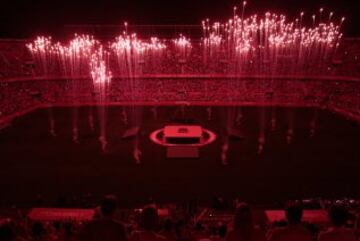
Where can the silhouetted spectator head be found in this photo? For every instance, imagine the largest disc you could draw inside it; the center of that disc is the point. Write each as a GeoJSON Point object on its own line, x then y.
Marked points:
{"type": "Point", "coordinates": [108, 205]}
{"type": "Point", "coordinates": [243, 217]}
{"type": "Point", "coordinates": [68, 228]}
{"type": "Point", "coordinates": [338, 215]}
{"type": "Point", "coordinates": [149, 219]}
{"type": "Point", "coordinates": [199, 226]}
{"type": "Point", "coordinates": [179, 225]}
{"type": "Point", "coordinates": [243, 222]}
{"type": "Point", "coordinates": [219, 203]}
{"type": "Point", "coordinates": [294, 212]}
{"type": "Point", "coordinates": [168, 225]}
{"type": "Point", "coordinates": [38, 230]}
{"type": "Point", "coordinates": [6, 231]}
{"type": "Point", "coordinates": [222, 230]}
{"type": "Point", "coordinates": [57, 226]}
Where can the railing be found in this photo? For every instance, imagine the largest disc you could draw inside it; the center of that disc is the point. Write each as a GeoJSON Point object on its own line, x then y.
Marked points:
{"type": "Point", "coordinates": [342, 96]}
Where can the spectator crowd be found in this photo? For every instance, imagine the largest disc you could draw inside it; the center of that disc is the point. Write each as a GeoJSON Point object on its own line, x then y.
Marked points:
{"type": "Point", "coordinates": [182, 225]}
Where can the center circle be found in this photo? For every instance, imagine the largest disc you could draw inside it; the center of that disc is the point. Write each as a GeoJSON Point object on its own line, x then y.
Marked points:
{"type": "Point", "coordinates": [207, 138]}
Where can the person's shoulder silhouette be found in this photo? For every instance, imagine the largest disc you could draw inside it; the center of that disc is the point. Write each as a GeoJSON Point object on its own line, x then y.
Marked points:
{"type": "Point", "coordinates": [105, 227]}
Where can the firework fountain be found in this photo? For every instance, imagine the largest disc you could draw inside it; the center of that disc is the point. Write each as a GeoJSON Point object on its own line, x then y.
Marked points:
{"type": "Point", "coordinates": [43, 53]}
{"type": "Point", "coordinates": [77, 62]}
{"type": "Point", "coordinates": [74, 59]}
{"type": "Point", "coordinates": [101, 77]}
{"type": "Point", "coordinates": [264, 47]}
{"type": "Point", "coordinates": [182, 50]}
{"type": "Point", "coordinates": [132, 55]}
{"type": "Point", "coordinates": [42, 50]}
{"type": "Point", "coordinates": [269, 46]}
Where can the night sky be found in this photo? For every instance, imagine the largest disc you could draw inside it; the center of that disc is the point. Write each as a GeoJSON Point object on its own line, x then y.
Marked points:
{"type": "Point", "coordinates": [26, 18]}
